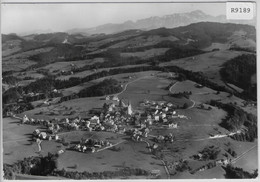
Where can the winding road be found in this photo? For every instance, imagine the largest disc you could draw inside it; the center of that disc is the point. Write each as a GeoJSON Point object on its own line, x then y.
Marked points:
{"type": "Point", "coordinates": [193, 102]}
{"type": "Point", "coordinates": [125, 86]}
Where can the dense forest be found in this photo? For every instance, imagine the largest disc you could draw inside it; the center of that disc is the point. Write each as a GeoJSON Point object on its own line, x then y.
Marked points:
{"type": "Point", "coordinates": [239, 72]}
{"type": "Point", "coordinates": [105, 87]}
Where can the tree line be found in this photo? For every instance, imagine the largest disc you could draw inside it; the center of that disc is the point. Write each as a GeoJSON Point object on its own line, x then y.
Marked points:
{"type": "Point", "coordinates": [237, 119]}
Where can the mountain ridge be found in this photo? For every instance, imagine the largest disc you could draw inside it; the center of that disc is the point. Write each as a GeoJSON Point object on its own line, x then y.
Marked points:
{"type": "Point", "coordinates": [167, 21]}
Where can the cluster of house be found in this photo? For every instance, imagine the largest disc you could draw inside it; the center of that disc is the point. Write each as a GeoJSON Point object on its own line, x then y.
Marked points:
{"type": "Point", "coordinates": [32, 96]}
{"type": "Point", "coordinates": [162, 112]}
{"type": "Point", "coordinates": [91, 145]}
{"type": "Point", "coordinates": [137, 134]}
{"type": "Point", "coordinates": [166, 138]}
{"type": "Point", "coordinates": [44, 136]}
{"type": "Point", "coordinates": [111, 120]}
{"type": "Point", "coordinates": [53, 128]}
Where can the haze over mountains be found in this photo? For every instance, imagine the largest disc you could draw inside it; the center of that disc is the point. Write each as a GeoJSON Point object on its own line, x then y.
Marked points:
{"type": "Point", "coordinates": [167, 21]}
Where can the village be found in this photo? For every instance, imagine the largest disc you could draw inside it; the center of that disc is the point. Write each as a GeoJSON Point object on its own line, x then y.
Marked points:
{"type": "Point", "coordinates": [118, 116]}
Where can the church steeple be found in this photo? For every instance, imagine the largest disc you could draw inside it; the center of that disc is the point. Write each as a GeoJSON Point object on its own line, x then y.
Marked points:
{"type": "Point", "coordinates": [129, 108]}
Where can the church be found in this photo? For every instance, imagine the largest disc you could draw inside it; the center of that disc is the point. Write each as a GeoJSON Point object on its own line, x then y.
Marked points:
{"type": "Point", "coordinates": [127, 109]}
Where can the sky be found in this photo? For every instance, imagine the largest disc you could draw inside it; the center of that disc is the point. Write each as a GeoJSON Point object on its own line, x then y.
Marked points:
{"type": "Point", "coordinates": [22, 18]}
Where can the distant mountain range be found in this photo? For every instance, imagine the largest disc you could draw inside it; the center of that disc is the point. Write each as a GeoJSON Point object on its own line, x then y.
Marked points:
{"type": "Point", "coordinates": [75, 46]}
{"type": "Point", "coordinates": [167, 21]}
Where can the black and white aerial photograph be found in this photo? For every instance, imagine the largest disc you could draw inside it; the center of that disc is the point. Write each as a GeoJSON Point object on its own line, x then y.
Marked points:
{"type": "Point", "coordinates": [128, 90]}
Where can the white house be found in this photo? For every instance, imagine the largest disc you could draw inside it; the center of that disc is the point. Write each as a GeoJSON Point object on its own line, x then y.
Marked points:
{"type": "Point", "coordinates": [173, 125]}
{"type": "Point", "coordinates": [163, 115]}
{"type": "Point", "coordinates": [43, 135]}
{"type": "Point", "coordinates": [156, 118]}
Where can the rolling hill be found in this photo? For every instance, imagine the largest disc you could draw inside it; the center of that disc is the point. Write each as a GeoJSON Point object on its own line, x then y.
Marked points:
{"type": "Point", "coordinates": [195, 39]}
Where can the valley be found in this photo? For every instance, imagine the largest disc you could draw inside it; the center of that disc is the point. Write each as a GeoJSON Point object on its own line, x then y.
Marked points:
{"type": "Point", "coordinates": [165, 103]}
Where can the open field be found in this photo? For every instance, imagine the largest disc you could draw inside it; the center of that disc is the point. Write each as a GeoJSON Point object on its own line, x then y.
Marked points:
{"type": "Point", "coordinates": [18, 144]}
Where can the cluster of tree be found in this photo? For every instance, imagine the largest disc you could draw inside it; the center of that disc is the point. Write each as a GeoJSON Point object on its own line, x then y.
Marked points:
{"type": "Point", "coordinates": [232, 152]}
{"type": "Point", "coordinates": [11, 80]}
{"type": "Point", "coordinates": [42, 85]}
{"type": "Point", "coordinates": [239, 71]}
{"type": "Point", "coordinates": [11, 95]}
{"type": "Point", "coordinates": [7, 73]}
{"type": "Point", "coordinates": [68, 97]}
{"type": "Point", "coordinates": [237, 119]}
{"type": "Point", "coordinates": [101, 175]}
{"type": "Point", "coordinates": [238, 173]}
{"type": "Point", "coordinates": [182, 166]}
{"type": "Point", "coordinates": [39, 165]}
{"type": "Point", "coordinates": [105, 87]}
{"type": "Point", "coordinates": [28, 78]}
{"type": "Point", "coordinates": [210, 153]}
{"type": "Point", "coordinates": [16, 108]}
{"type": "Point", "coordinates": [180, 52]}
{"type": "Point", "coordinates": [201, 106]}
{"type": "Point", "coordinates": [185, 94]}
